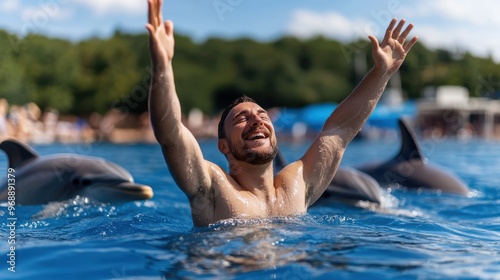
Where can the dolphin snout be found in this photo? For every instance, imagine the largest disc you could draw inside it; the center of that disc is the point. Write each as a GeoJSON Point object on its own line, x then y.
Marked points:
{"type": "Point", "coordinates": [119, 192]}
{"type": "Point", "coordinates": [138, 189]}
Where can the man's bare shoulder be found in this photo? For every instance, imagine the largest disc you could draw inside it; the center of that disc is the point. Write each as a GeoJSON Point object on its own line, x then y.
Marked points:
{"type": "Point", "coordinates": [291, 176]}
{"type": "Point", "coordinates": [217, 173]}
{"type": "Point", "coordinates": [291, 169]}
{"type": "Point", "coordinates": [221, 181]}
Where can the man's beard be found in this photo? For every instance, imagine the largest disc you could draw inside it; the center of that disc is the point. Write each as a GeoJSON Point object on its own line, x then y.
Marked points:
{"type": "Point", "coordinates": [254, 157]}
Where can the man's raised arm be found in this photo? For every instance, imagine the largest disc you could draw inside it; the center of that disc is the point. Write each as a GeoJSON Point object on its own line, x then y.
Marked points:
{"type": "Point", "coordinates": [180, 149]}
{"type": "Point", "coordinates": [323, 157]}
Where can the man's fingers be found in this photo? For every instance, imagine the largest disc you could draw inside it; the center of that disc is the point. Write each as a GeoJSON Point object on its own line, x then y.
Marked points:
{"type": "Point", "coordinates": [395, 33]}
{"type": "Point", "coordinates": [154, 12]}
{"type": "Point", "coordinates": [158, 10]}
{"type": "Point", "coordinates": [150, 12]}
{"type": "Point", "coordinates": [169, 27]}
{"type": "Point", "coordinates": [374, 41]}
{"type": "Point", "coordinates": [405, 33]}
{"type": "Point", "coordinates": [410, 44]}
{"type": "Point", "coordinates": [388, 31]}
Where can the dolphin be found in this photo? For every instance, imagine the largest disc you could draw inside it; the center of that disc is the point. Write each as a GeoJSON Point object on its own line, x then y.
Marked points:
{"type": "Point", "coordinates": [40, 180]}
{"type": "Point", "coordinates": [351, 185]}
{"type": "Point", "coordinates": [348, 185]}
{"type": "Point", "coordinates": [410, 168]}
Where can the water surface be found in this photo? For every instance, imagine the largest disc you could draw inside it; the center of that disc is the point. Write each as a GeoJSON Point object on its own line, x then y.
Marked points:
{"type": "Point", "coordinates": [424, 235]}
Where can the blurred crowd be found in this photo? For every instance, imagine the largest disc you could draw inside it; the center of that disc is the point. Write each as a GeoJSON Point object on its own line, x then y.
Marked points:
{"type": "Point", "coordinates": [28, 123]}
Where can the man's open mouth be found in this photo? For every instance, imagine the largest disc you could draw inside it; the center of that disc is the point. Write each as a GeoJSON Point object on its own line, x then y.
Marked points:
{"type": "Point", "coordinates": [256, 136]}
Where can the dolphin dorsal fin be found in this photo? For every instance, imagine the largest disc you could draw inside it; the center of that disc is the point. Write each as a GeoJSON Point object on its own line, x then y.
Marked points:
{"type": "Point", "coordinates": [410, 148]}
{"type": "Point", "coordinates": [17, 152]}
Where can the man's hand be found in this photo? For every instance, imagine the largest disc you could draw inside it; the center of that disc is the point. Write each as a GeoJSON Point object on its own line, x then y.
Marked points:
{"type": "Point", "coordinates": [390, 54]}
{"type": "Point", "coordinates": [161, 35]}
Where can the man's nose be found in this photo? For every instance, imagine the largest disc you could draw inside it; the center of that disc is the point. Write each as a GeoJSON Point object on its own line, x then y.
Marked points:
{"type": "Point", "coordinates": [256, 120]}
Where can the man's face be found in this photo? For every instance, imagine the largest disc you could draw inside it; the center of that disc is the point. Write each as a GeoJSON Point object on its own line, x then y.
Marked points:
{"type": "Point", "coordinates": [250, 134]}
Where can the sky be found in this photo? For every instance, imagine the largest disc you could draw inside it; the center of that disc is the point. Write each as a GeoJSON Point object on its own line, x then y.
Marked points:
{"type": "Point", "coordinates": [460, 25]}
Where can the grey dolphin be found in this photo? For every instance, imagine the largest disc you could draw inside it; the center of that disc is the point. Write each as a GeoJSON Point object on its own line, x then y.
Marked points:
{"type": "Point", "coordinates": [409, 168]}
{"type": "Point", "coordinates": [40, 180]}
{"type": "Point", "coordinates": [348, 185]}
{"type": "Point", "coordinates": [351, 185]}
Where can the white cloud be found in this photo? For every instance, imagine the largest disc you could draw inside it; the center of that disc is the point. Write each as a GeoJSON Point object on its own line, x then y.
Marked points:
{"type": "Point", "coordinates": [460, 38]}
{"type": "Point", "coordinates": [37, 17]}
{"type": "Point", "coordinates": [45, 13]}
{"type": "Point", "coordinates": [102, 7]}
{"type": "Point", "coordinates": [305, 24]}
{"type": "Point", "coordinates": [466, 25]}
{"type": "Point", "coordinates": [468, 12]}
{"type": "Point", "coordinates": [9, 5]}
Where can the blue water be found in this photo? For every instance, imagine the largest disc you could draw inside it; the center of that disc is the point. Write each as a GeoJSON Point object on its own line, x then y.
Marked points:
{"type": "Point", "coordinates": [424, 235]}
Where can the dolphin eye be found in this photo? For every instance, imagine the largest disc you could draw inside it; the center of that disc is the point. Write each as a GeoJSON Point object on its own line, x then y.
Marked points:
{"type": "Point", "coordinates": [86, 182]}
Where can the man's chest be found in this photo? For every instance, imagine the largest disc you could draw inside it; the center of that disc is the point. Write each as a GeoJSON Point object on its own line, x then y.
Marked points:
{"type": "Point", "coordinates": [244, 204]}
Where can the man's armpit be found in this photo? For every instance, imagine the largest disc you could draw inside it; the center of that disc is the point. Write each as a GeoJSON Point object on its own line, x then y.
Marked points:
{"type": "Point", "coordinates": [309, 195]}
{"type": "Point", "coordinates": [202, 202]}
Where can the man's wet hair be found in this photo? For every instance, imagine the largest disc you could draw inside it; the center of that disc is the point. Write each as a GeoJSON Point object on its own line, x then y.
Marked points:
{"type": "Point", "coordinates": [221, 132]}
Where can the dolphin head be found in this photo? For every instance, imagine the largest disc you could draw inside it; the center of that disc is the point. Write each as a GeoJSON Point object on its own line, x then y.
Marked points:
{"type": "Point", "coordinates": [43, 179]}
{"type": "Point", "coordinates": [104, 181]}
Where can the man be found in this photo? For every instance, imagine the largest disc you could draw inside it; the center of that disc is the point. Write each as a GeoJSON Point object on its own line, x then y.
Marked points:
{"type": "Point", "coordinates": [247, 138]}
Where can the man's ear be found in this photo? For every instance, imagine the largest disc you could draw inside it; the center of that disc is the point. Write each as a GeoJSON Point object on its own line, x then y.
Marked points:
{"type": "Point", "coordinates": [223, 146]}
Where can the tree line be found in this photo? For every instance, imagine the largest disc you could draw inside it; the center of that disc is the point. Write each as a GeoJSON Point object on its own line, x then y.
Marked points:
{"type": "Point", "coordinates": [97, 74]}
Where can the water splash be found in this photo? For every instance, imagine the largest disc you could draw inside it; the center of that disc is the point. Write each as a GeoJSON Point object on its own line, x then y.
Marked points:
{"type": "Point", "coordinates": [389, 205]}
{"type": "Point", "coordinates": [76, 207]}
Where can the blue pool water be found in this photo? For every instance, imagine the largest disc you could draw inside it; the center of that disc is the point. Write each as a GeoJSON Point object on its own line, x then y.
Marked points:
{"type": "Point", "coordinates": [423, 235]}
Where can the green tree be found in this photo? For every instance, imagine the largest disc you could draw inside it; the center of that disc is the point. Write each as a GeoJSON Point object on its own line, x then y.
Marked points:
{"type": "Point", "coordinates": [97, 74]}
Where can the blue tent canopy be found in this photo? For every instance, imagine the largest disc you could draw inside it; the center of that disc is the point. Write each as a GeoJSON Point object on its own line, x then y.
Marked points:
{"type": "Point", "coordinates": [314, 116]}
{"type": "Point", "coordinates": [387, 116]}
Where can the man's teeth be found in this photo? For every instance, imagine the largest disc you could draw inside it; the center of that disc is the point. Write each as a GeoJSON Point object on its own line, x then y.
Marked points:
{"type": "Point", "coordinates": [257, 136]}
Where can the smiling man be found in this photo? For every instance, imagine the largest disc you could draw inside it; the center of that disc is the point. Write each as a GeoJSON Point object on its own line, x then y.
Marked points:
{"type": "Point", "coordinates": [247, 138]}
